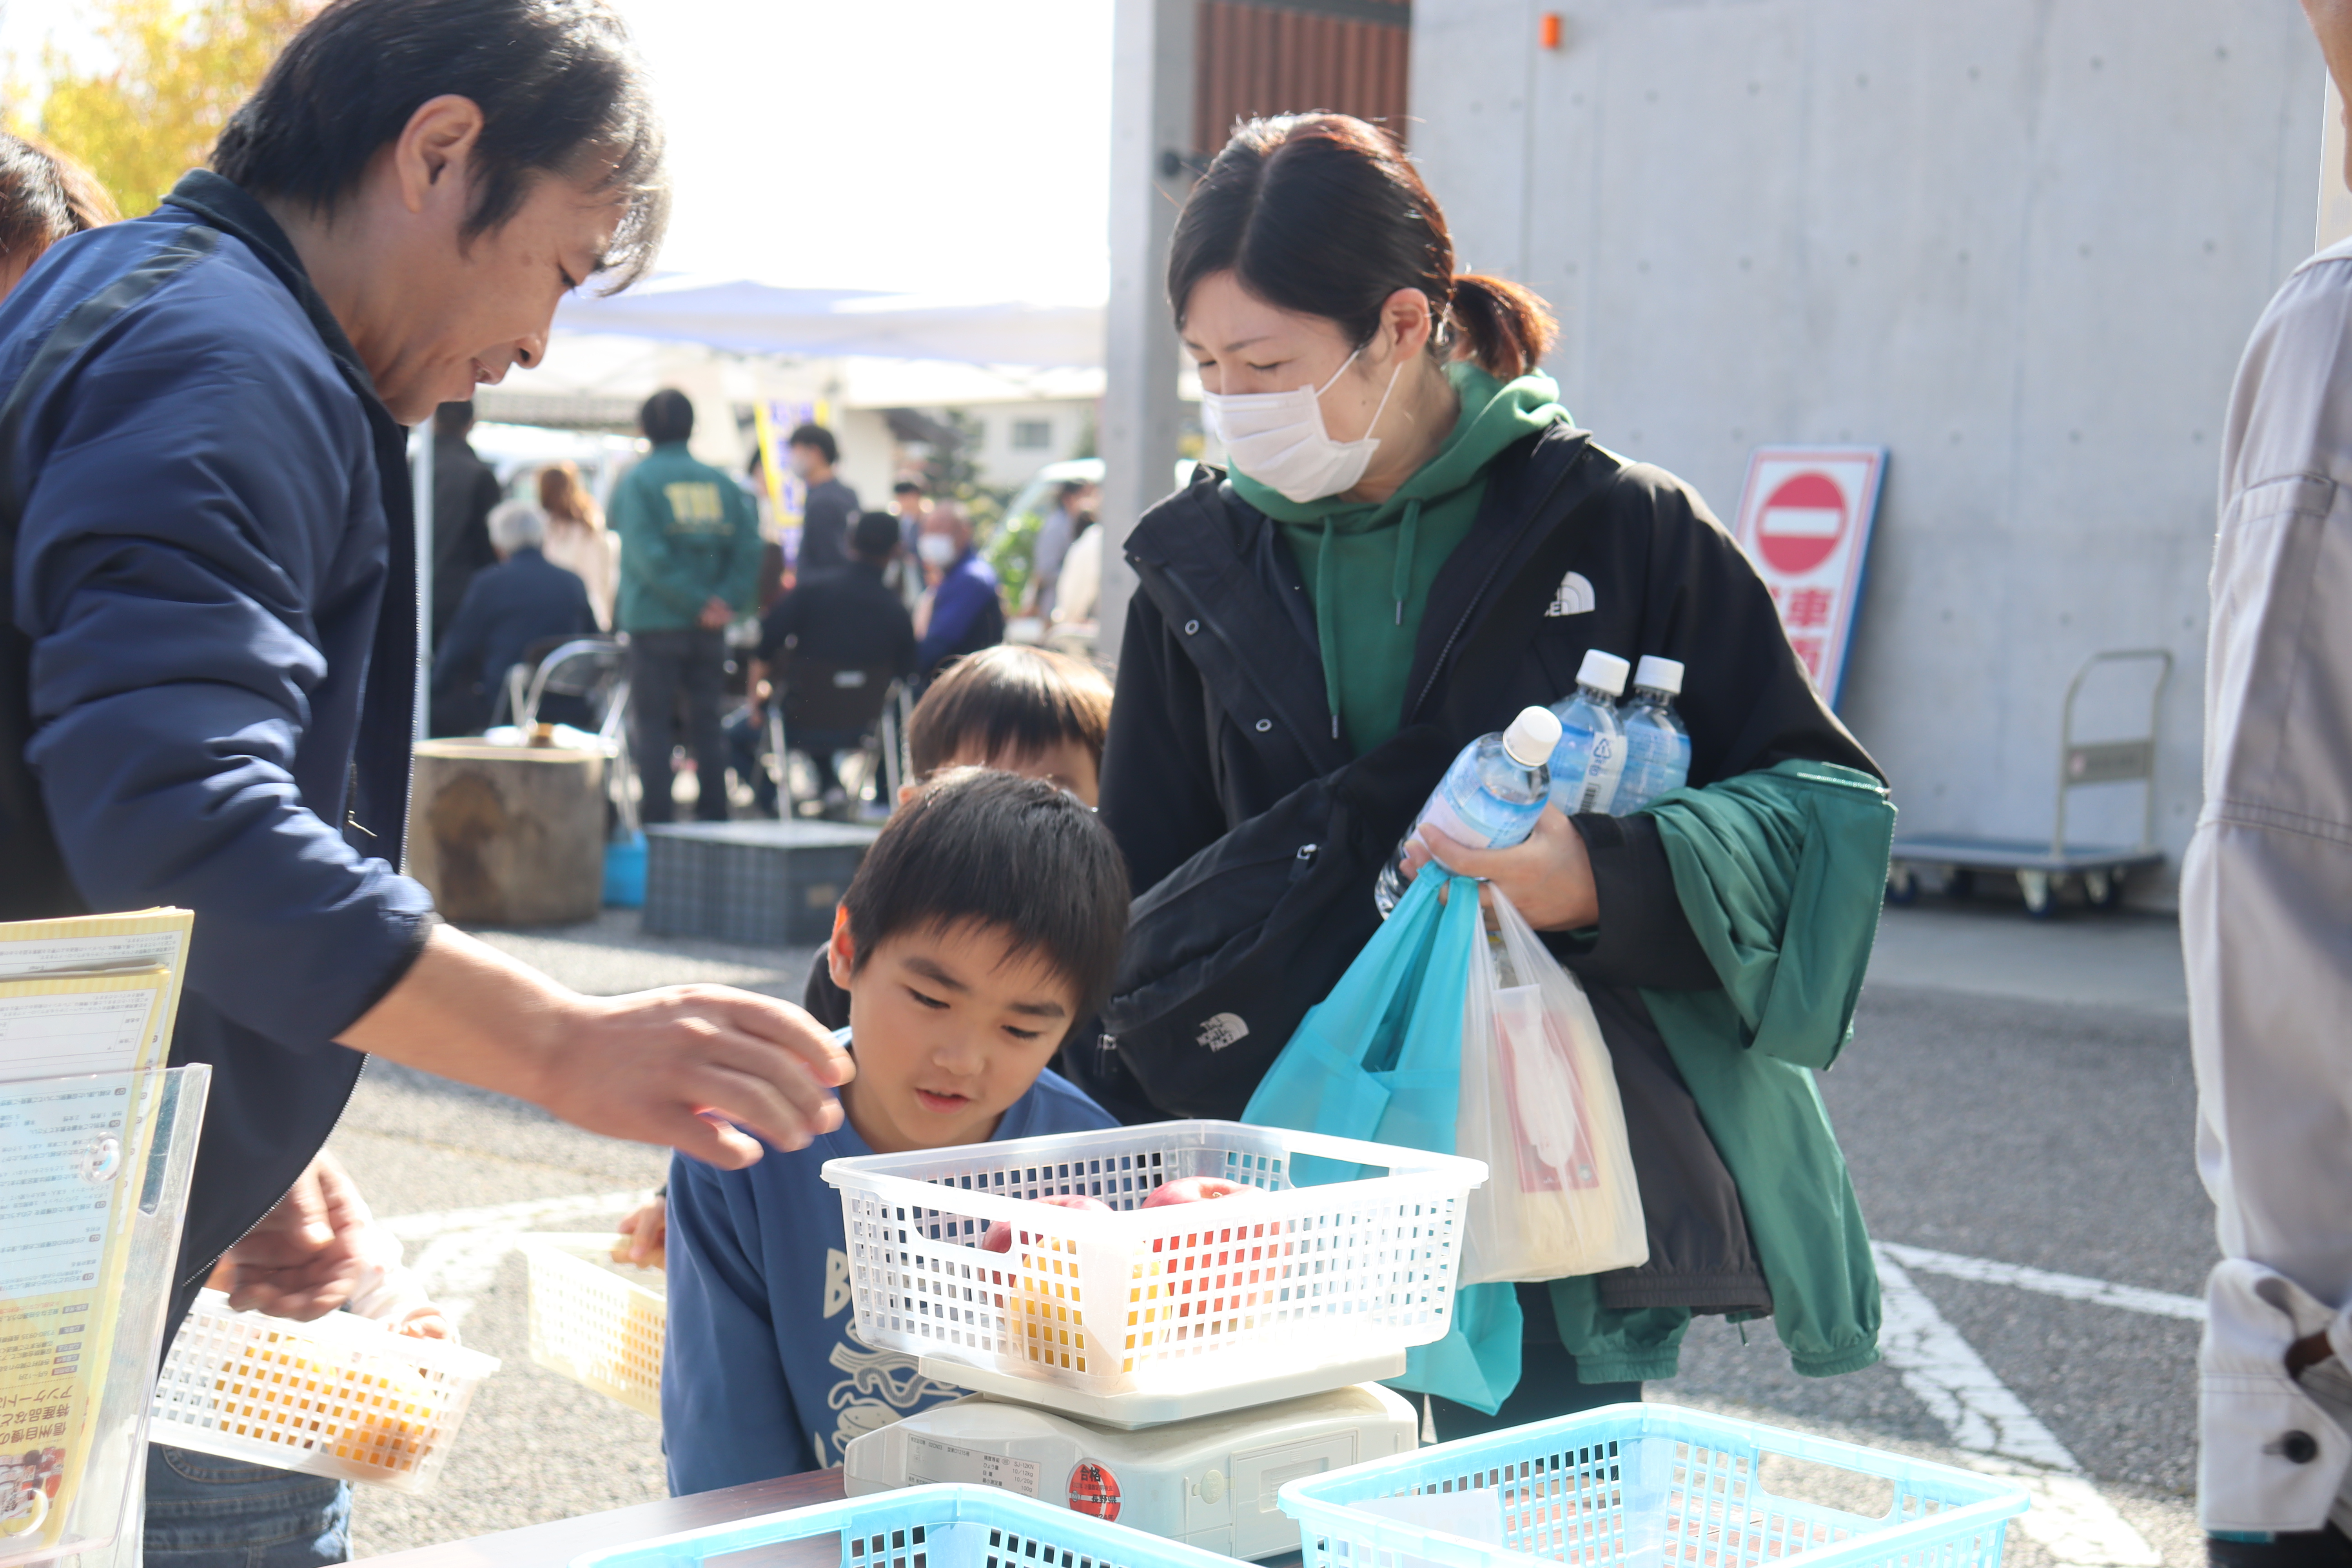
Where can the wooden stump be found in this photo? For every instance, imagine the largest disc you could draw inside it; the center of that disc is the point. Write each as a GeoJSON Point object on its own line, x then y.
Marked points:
{"type": "Point", "coordinates": [509, 834]}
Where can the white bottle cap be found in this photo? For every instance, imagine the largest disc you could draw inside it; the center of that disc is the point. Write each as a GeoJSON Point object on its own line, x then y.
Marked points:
{"type": "Point", "coordinates": [1531, 736]}
{"type": "Point", "coordinates": [1605, 670]}
{"type": "Point", "coordinates": [1660, 675]}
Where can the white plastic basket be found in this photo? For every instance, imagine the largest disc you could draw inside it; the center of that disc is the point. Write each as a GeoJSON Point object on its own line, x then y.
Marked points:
{"type": "Point", "coordinates": [1211, 1294]}
{"type": "Point", "coordinates": [342, 1396]}
{"type": "Point", "coordinates": [592, 1324]}
{"type": "Point", "coordinates": [1652, 1486]}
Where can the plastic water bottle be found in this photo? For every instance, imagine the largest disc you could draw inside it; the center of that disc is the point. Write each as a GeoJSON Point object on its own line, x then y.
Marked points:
{"type": "Point", "coordinates": [1489, 798]}
{"type": "Point", "coordinates": [1657, 747]}
{"type": "Point", "coordinates": [1591, 756]}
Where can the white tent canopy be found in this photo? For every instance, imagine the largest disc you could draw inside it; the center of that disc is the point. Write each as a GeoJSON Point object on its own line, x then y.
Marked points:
{"type": "Point", "coordinates": [746, 316]}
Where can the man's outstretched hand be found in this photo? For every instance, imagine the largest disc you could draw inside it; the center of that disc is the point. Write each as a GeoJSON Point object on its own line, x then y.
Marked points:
{"type": "Point", "coordinates": [695, 1067]}
{"type": "Point", "coordinates": [305, 1258]}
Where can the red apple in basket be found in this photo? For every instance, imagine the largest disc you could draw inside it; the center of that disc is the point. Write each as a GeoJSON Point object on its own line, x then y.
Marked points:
{"type": "Point", "coordinates": [999, 1235]}
{"type": "Point", "coordinates": [1193, 1190]}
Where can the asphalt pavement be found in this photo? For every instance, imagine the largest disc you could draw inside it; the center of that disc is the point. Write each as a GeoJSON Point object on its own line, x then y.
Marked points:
{"type": "Point", "coordinates": [2016, 1107]}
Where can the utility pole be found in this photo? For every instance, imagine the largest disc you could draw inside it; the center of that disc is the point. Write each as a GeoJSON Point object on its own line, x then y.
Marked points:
{"type": "Point", "coordinates": [1150, 152]}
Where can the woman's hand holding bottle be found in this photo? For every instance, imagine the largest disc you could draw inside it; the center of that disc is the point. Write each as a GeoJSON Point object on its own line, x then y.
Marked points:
{"type": "Point", "coordinates": [1548, 877]}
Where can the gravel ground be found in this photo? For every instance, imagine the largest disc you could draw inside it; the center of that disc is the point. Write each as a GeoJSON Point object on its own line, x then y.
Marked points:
{"type": "Point", "coordinates": [2008, 1127]}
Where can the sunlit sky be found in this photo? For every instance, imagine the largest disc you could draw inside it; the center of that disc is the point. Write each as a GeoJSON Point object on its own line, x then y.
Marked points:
{"type": "Point", "coordinates": [931, 145]}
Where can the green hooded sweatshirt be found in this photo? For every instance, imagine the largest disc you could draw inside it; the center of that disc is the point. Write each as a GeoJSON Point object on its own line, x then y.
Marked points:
{"type": "Point", "coordinates": [1370, 566]}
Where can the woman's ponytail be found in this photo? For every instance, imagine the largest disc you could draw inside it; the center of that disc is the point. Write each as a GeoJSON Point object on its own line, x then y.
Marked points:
{"type": "Point", "coordinates": [1505, 326]}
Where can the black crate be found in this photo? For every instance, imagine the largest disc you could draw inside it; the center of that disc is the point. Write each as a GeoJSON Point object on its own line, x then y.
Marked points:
{"type": "Point", "coordinates": [768, 884]}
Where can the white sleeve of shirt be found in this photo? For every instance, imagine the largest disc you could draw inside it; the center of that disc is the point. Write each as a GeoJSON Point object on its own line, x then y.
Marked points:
{"type": "Point", "coordinates": [2267, 921]}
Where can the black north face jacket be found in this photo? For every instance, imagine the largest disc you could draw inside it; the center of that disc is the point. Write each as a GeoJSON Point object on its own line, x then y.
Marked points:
{"type": "Point", "coordinates": [1222, 725]}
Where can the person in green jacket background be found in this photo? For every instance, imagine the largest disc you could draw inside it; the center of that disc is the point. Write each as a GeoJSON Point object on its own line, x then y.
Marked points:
{"type": "Point", "coordinates": [690, 565]}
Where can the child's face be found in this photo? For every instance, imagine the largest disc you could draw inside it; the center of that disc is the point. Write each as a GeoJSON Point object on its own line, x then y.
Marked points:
{"type": "Point", "coordinates": [1067, 763]}
{"type": "Point", "coordinates": [950, 1028]}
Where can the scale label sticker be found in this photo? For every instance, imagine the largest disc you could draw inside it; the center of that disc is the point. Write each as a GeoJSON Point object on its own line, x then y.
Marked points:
{"type": "Point", "coordinates": [930, 1461]}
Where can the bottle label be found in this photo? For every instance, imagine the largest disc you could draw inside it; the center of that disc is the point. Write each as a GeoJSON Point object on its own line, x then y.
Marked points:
{"type": "Point", "coordinates": [1600, 775]}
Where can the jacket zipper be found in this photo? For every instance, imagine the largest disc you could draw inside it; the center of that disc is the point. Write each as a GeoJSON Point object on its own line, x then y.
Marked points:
{"type": "Point", "coordinates": [1479, 598]}
{"type": "Point", "coordinates": [1209, 622]}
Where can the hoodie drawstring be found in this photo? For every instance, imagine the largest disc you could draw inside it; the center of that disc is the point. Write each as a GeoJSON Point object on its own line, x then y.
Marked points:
{"type": "Point", "coordinates": [1327, 629]}
{"type": "Point", "coordinates": [1408, 532]}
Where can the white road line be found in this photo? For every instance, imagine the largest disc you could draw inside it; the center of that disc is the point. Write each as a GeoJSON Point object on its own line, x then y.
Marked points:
{"type": "Point", "coordinates": [1954, 1383]}
{"type": "Point", "coordinates": [462, 1248]}
{"type": "Point", "coordinates": [2069, 1517]}
{"type": "Point", "coordinates": [511, 1217]}
{"type": "Point", "coordinates": [2072, 1287]}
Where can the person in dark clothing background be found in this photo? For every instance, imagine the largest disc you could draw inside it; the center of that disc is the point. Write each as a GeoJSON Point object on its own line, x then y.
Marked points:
{"type": "Point", "coordinates": [464, 490]}
{"type": "Point", "coordinates": [522, 599]}
{"type": "Point", "coordinates": [961, 612]}
{"type": "Point", "coordinates": [831, 506]}
{"type": "Point", "coordinates": [847, 618]}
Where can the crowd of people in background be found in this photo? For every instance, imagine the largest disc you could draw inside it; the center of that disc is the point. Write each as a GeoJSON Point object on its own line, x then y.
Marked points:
{"type": "Point", "coordinates": [731, 621]}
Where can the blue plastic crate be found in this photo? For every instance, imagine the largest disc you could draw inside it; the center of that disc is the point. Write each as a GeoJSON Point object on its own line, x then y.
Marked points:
{"type": "Point", "coordinates": [926, 1527]}
{"type": "Point", "coordinates": [1652, 1486]}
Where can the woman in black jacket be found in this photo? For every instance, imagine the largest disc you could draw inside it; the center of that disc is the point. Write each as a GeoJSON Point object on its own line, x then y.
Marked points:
{"type": "Point", "coordinates": [1414, 543]}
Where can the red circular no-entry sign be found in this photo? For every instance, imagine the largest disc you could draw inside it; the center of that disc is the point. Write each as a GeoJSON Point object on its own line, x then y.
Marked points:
{"type": "Point", "coordinates": [1801, 521]}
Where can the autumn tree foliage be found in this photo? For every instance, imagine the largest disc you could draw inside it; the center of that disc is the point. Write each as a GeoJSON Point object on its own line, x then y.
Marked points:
{"type": "Point", "coordinates": [179, 68]}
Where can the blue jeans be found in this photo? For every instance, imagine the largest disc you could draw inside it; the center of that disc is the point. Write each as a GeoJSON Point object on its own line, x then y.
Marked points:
{"type": "Point", "coordinates": [204, 1513]}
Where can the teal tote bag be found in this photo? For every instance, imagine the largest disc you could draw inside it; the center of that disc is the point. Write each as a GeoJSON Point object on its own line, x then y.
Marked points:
{"type": "Point", "coordinates": [1381, 1059]}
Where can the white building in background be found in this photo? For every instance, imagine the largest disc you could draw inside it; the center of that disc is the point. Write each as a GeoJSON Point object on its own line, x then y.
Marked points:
{"type": "Point", "coordinates": [2020, 242]}
{"type": "Point", "coordinates": [1016, 439]}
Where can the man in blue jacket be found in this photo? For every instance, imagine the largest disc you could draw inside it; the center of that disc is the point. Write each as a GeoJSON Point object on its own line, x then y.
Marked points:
{"type": "Point", "coordinates": [524, 599]}
{"type": "Point", "coordinates": [207, 663]}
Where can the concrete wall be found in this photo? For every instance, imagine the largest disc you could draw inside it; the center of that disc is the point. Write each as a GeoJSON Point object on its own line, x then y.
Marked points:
{"type": "Point", "coordinates": [2018, 242]}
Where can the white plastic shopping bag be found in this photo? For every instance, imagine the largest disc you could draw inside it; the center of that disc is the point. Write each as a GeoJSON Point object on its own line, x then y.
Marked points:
{"type": "Point", "coordinates": [1539, 1105]}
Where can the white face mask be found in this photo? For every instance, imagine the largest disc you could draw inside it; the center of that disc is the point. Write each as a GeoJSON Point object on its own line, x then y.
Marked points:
{"type": "Point", "coordinates": [937, 550]}
{"type": "Point", "coordinates": [1277, 438]}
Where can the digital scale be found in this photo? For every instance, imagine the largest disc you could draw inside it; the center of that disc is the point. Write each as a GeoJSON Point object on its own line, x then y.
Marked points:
{"type": "Point", "coordinates": [1198, 1467]}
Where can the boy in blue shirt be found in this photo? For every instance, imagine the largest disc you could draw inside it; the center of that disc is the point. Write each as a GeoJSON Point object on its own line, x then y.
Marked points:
{"type": "Point", "coordinates": [983, 924]}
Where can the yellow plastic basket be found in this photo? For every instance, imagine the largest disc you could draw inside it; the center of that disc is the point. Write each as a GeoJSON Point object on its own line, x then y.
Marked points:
{"type": "Point", "coordinates": [342, 1396]}
{"type": "Point", "coordinates": [594, 1324]}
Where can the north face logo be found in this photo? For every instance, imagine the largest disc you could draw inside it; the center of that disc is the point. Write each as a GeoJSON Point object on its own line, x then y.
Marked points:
{"type": "Point", "coordinates": [1222, 1031]}
{"type": "Point", "coordinates": [1573, 597]}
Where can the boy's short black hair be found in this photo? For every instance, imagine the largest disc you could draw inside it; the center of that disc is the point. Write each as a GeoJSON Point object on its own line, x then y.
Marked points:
{"type": "Point", "coordinates": [1010, 701]}
{"type": "Point", "coordinates": [876, 536]}
{"type": "Point", "coordinates": [906, 488]}
{"type": "Point", "coordinates": [560, 87]}
{"type": "Point", "coordinates": [1017, 856]}
{"type": "Point", "coordinates": [818, 437]}
{"type": "Point", "coordinates": [667, 415]}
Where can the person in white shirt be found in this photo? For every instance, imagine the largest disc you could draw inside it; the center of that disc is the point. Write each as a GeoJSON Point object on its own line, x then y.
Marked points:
{"type": "Point", "coordinates": [2266, 929]}
{"type": "Point", "coordinates": [1055, 536]}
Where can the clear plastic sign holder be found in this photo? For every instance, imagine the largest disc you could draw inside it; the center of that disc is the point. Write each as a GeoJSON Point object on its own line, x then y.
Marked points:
{"type": "Point", "coordinates": [120, 1145]}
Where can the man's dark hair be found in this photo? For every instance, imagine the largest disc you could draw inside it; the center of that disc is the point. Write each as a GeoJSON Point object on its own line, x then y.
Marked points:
{"type": "Point", "coordinates": [667, 415]}
{"type": "Point", "coordinates": [1009, 701]}
{"type": "Point", "coordinates": [819, 438]}
{"type": "Point", "coordinates": [876, 536]}
{"type": "Point", "coordinates": [1069, 490]}
{"type": "Point", "coordinates": [906, 488]}
{"type": "Point", "coordinates": [1019, 857]}
{"type": "Point", "coordinates": [453, 418]}
{"type": "Point", "coordinates": [45, 197]}
{"type": "Point", "coordinates": [559, 86]}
